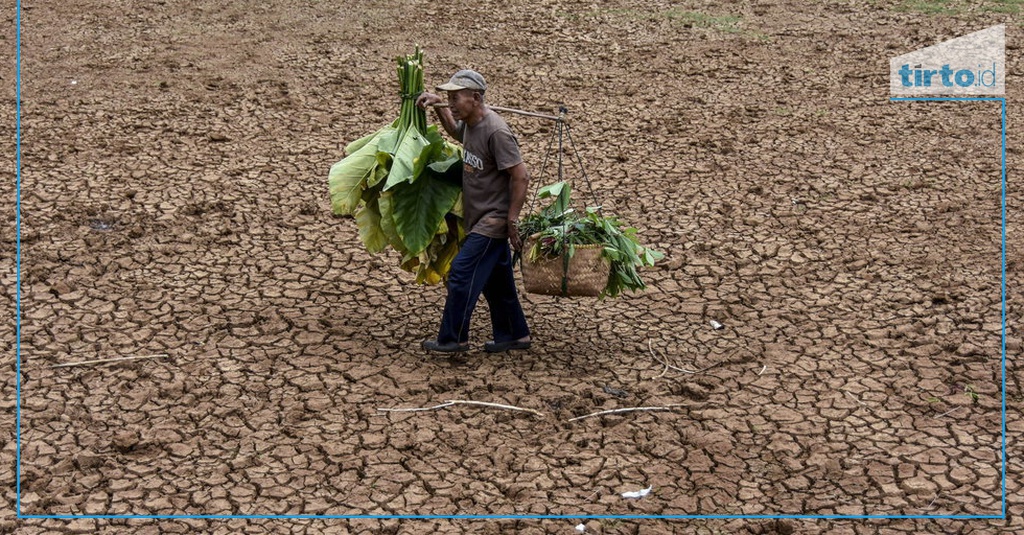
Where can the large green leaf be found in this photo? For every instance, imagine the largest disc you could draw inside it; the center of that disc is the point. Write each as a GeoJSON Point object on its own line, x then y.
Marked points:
{"type": "Point", "coordinates": [430, 153]}
{"type": "Point", "coordinates": [389, 140]}
{"type": "Point", "coordinates": [447, 163]}
{"type": "Point", "coordinates": [371, 190]}
{"type": "Point", "coordinates": [446, 246]}
{"type": "Point", "coordinates": [380, 174]}
{"type": "Point", "coordinates": [559, 190]}
{"type": "Point", "coordinates": [361, 142]}
{"type": "Point", "coordinates": [457, 209]}
{"type": "Point", "coordinates": [349, 176]}
{"type": "Point", "coordinates": [418, 209]}
{"type": "Point", "coordinates": [383, 167]}
{"type": "Point", "coordinates": [392, 181]}
{"type": "Point", "coordinates": [370, 232]}
{"type": "Point", "coordinates": [406, 158]}
{"type": "Point", "coordinates": [436, 262]}
{"type": "Point", "coordinates": [387, 221]}
{"type": "Point", "coordinates": [410, 262]}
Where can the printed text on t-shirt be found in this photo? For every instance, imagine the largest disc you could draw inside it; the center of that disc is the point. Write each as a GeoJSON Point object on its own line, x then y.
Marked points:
{"type": "Point", "coordinates": [473, 160]}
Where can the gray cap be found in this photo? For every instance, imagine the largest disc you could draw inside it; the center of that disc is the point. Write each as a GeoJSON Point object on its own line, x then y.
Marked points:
{"type": "Point", "coordinates": [465, 79]}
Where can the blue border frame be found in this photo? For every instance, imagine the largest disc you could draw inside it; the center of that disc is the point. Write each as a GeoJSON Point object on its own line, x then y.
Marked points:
{"type": "Point", "coordinates": [17, 224]}
{"type": "Point", "coordinates": [17, 252]}
{"type": "Point", "coordinates": [1002, 102]}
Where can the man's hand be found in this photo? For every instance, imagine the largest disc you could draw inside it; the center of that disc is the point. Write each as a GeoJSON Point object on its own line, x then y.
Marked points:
{"type": "Point", "coordinates": [426, 100]}
{"type": "Point", "coordinates": [519, 180]}
{"type": "Point", "coordinates": [513, 236]}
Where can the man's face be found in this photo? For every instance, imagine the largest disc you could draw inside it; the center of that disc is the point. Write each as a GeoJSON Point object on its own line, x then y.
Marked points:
{"type": "Point", "coordinates": [462, 103]}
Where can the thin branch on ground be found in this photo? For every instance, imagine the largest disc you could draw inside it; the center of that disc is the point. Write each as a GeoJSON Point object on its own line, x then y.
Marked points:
{"type": "Point", "coordinates": [861, 403]}
{"type": "Point", "coordinates": [628, 409]}
{"type": "Point", "coordinates": [450, 402]}
{"type": "Point", "coordinates": [853, 397]}
{"type": "Point", "coordinates": [655, 355]}
{"type": "Point", "coordinates": [669, 366]}
{"type": "Point", "coordinates": [417, 409]}
{"type": "Point", "coordinates": [691, 372]}
{"type": "Point", "coordinates": [108, 361]}
{"type": "Point", "coordinates": [947, 413]}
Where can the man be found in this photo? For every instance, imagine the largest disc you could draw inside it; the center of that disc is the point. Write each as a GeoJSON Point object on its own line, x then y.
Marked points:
{"type": "Point", "coordinates": [494, 182]}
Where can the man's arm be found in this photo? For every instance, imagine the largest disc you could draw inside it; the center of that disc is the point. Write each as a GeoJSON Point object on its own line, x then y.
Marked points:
{"type": "Point", "coordinates": [519, 181]}
{"type": "Point", "coordinates": [444, 115]}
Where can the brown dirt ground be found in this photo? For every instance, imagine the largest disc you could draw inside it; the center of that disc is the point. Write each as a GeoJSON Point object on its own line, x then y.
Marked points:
{"type": "Point", "coordinates": [174, 202]}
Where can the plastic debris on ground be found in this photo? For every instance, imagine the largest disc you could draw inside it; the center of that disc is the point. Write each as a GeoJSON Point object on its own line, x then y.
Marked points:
{"type": "Point", "coordinates": [638, 493]}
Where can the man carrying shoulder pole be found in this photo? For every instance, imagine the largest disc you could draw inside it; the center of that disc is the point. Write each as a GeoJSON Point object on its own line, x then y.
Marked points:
{"type": "Point", "coordinates": [494, 185]}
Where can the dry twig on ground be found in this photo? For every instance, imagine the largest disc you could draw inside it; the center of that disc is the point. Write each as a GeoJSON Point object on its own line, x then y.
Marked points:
{"type": "Point", "coordinates": [669, 366]}
{"type": "Point", "coordinates": [107, 361]}
{"type": "Point", "coordinates": [627, 409]}
{"type": "Point", "coordinates": [450, 402]}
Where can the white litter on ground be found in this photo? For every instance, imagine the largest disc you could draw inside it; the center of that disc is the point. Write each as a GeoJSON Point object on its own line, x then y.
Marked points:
{"type": "Point", "coordinates": [638, 493]}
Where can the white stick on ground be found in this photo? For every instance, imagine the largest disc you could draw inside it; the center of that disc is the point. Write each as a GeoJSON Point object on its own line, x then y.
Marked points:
{"type": "Point", "coordinates": [628, 409]}
{"type": "Point", "coordinates": [107, 361]}
{"type": "Point", "coordinates": [450, 402]}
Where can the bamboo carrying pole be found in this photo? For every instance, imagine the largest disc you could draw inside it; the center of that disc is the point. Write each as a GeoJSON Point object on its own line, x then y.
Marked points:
{"type": "Point", "coordinates": [513, 110]}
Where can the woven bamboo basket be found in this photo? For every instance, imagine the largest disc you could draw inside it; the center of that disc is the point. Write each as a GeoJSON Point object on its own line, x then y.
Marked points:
{"type": "Point", "coordinates": [586, 276]}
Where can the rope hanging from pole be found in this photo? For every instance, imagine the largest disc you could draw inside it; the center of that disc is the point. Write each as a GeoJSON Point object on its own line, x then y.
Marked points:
{"type": "Point", "coordinates": [562, 133]}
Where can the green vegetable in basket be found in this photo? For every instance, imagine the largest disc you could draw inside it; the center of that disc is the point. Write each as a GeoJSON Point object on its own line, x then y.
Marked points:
{"type": "Point", "coordinates": [557, 229]}
{"type": "Point", "coordinates": [402, 185]}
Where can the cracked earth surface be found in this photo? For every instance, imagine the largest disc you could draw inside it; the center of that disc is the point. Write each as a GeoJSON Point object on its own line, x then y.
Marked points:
{"type": "Point", "coordinates": [174, 206]}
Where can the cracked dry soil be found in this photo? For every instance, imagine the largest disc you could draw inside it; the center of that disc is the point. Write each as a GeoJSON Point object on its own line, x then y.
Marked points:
{"type": "Point", "coordinates": [174, 205]}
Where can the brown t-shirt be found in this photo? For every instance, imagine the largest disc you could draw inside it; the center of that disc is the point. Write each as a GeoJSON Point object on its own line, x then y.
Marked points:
{"type": "Point", "coordinates": [490, 149]}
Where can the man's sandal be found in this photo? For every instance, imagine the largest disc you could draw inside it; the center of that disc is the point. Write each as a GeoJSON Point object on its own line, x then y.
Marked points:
{"type": "Point", "coordinates": [501, 347]}
{"type": "Point", "coordinates": [448, 347]}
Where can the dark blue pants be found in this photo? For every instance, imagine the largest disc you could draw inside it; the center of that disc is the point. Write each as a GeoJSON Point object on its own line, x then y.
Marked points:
{"type": "Point", "coordinates": [483, 265]}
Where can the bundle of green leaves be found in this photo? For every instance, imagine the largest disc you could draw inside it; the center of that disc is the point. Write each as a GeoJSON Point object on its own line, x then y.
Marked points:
{"type": "Point", "coordinates": [557, 229]}
{"type": "Point", "coordinates": [403, 185]}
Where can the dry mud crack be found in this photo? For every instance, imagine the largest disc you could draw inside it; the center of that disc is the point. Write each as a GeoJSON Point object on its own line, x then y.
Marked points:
{"type": "Point", "coordinates": [173, 202]}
